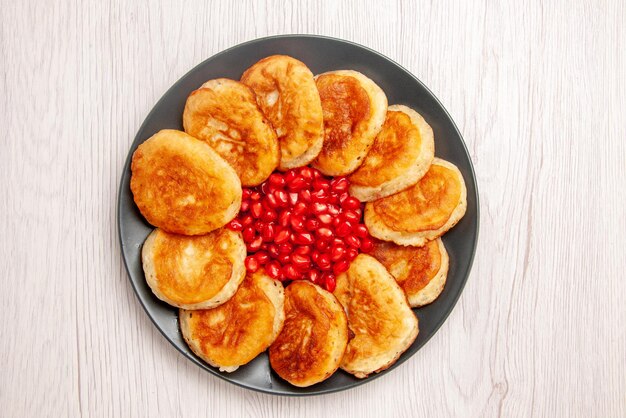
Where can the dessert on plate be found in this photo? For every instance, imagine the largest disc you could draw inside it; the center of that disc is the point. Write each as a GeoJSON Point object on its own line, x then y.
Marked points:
{"type": "Point", "coordinates": [298, 215]}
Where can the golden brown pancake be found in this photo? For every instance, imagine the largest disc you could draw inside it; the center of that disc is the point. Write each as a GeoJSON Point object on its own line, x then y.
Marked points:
{"type": "Point", "coordinates": [234, 333]}
{"type": "Point", "coordinates": [194, 272]}
{"type": "Point", "coordinates": [402, 153]}
{"type": "Point", "coordinates": [224, 114]}
{"type": "Point", "coordinates": [182, 186]}
{"type": "Point", "coordinates": [287, 95]}
{"type": "Point", "coordinates": [379, 316]}
{"type": "Point", "coordinates": [313, 340]}
{"type": "Point", "coordinates": [420, 271]}
{"type": "Point", "coordinates": [354, 111]}
{"type": "Point", "coordinates": [422, 212]}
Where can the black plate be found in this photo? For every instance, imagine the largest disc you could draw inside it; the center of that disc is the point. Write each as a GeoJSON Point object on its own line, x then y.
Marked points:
{"type": "Point", "coordinates": [320, 54]}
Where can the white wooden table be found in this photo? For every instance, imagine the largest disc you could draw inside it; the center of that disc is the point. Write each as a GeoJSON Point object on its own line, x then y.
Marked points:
{"type": "Point", "coordinates": [538, 90]}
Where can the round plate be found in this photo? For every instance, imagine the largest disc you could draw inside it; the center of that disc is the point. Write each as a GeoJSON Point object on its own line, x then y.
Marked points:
{"type": "Point", "coordinates": [320, 54]}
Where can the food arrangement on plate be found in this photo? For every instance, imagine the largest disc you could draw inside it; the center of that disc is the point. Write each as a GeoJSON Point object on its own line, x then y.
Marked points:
{"type": "Point", "coordinates": [297, 214]}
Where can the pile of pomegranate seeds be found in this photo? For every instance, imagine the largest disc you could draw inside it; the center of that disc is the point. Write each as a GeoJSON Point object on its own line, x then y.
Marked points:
{"type": "Point", "coordinates": [301, 225]}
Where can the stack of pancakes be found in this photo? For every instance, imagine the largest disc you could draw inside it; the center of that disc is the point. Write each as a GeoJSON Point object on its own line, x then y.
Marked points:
{"type": "Point", "coordinates": [277, 117]}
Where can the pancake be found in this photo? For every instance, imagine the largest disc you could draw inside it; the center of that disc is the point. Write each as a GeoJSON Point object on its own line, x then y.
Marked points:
{"type": "Point", "coordinates": [194, 272]}
{"type": "Point", "coordinates": [310, 347]}
{"type": "Point", "coordinates": [420, 271]}
{"type": "Point", "coordinates": [402, 153]}
{"type": "Point", "coordinates": [182, 186]}
{"type": "Point", "coordinates": [422, 212]}
{"type": "Point", "coordinates": [224, 114]}
{"type": "Point", "coordinates": [234, 333]}
{"type": "Point", "coordinates": [354, 111]}
{"type": "Point", "coordinates": [287, 95]}
{"type": "Point", "coordinates": [379, 316]}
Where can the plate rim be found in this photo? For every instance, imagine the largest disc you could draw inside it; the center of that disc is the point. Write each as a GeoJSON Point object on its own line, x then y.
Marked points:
{"type": "Point", "coordinates": [223, 376]}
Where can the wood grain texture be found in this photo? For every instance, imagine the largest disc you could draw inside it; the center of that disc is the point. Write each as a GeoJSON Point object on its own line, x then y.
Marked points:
{"type": "Point", "coordinates": [538, 90]}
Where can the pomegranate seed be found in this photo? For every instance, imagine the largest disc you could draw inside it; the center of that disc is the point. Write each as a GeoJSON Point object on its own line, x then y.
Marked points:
{"type": "Point", "coordinates": [273, 250]}
{"type": "Point", "coordinates": [282, 236]}
{"type": "Point", "coordinates": [247, 220]}
{"type": "Point", "coordinates": [271, 200]}
{"type": "Point", "coordinates": [262, 257]}
{"type": "Point", "coordinates": [352, 253]}
{"type": "Point", "coordinates": [367, 245]}
{"type": "Point", "coordinates": [248, 234]}
{"type": "Point", "coordinates": [245, 205]}
{"type": "Point", "coordinates": [319, 208]}
{"type": "Point", "coordinates": [312, 224]}
{"type": "Point", "coordinates": [351, 216]}
{"type": "Point", "coordinates": [255, 244]}
{"type": "Point", "coordinates": [315, 256]}
{"type": "Point", "coordinates": [320, 196]}
{"type": "Point", "coordinates": [322, 244]}
{"type": "Point", "coordinates": [316, 174]}
{"type": "Point", "coordinates": [321, 184]}
{"type": "Point", "coordinates": [336, 221]}
{"type": "Point", "coordinates": [245, 194]}
{"type": "Point", "coordinates": [273, 269]}
{"type": "Point", "coordinates": [337, 252]}
{"type": "Point", "coordinates": [260, 226]}
{"type": "Point", "coordinates": [285, 248]}
{"type": "Point", "coordinates": [351, 203]}
{"type": "Point", "coordinates": [284, 258]}
{"type": "Point", "coordinates": [333, 210]}
{"type": "Point", "coordinates": [302, 250]}
{"type": "Point", "coordinates": [255, 196]}
{"type": "Point", "coordinates": [277, 181]}
{"type": "Point", "coordinates": [339, 184]}
{"type": "Point", "coordinates": [282, 198]}
{"type": "Point", "coordinates": [300, 208]}
{"type": "Point", "coordinates": [269, 215]}
{"type": "Point", "coordinates": [297, 223]}
{"type": "Point", "coordinates": [324, 233]}
{"type": "Point", "coordinates": [330, 282]}
{"type": "Point", "coordinates": [268, 233]}
{"type": "Point", "coordinates": [325, 218]}
{"type": "Point", "coordinates": [290, 271]}
{"type": "Point", "coordinates": [337, 242]}
{"type": "Point", "coordinates": [333, 200]}
{"type": "Point", "coordinates": [323, 261]}
{"type": "Point", "coordinates": [307, 174]}
{"type": "Point", "coordinates": [353, 241]}
{"type": "Point", "coordinates": [361, 231]}
{"type": "Point", "coordinates": [265, 188]}
{"type": "Point", "coordinates": [290, 175]}
{"type": "Point", "coordinates": [284, 218]}
{"type": "Point", "coordinates": [305, 195]}
{"type": "Point", "coordinates": [343, 197]}
{"type": "Point", "coordinates": [256, 209]}
{"type": "Point", "coordinates": [315, 276]}
{"type": "Point", "coordinates": [344, 228]}
{"type": "Point", "coordinates": [358, 212]}
{"type": "Point", "coordinates": [293, 198]}
{"type": "Point", "coordinates": [341, 266]}
{"type": "Point", "coordinates": [304, 238]}
{"type": "Point", "coordinates": [298, 183]}
{"type": "Point", "coordinates": [252, 264]}
{"type": "Point", "coordinates": [235, 225]}
{"type": "Point", "coordinates": [300, 261]}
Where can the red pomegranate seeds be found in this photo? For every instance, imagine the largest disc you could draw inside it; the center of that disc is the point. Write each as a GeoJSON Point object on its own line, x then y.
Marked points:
{"type": "Point", "coordinates": [301, 225]}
